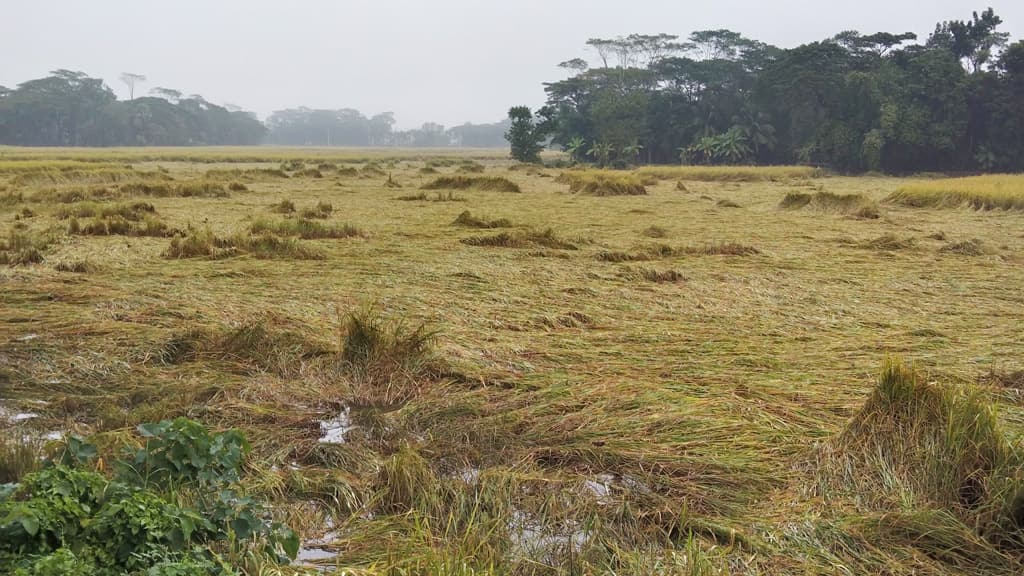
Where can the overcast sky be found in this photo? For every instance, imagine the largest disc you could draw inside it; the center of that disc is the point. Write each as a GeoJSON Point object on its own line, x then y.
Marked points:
{"type": "Point", "coordinates": [448, 61]}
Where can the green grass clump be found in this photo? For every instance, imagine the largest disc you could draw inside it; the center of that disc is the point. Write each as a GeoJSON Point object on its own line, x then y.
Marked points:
{"type": "Point", "coordinates": [484, 183]}
{"type": "Point", "coordinates": [467, 220]}
{"type": "Point", "coordinates": [546, 239]}
{"type": "Point", "coordinates": [856, 205]}
{"type": "Point", "coordinates": [730, 173]}
{"type": "Point", "coordinates": [991, 192]}
{"type": "Point", "coordinates": [305, 229]}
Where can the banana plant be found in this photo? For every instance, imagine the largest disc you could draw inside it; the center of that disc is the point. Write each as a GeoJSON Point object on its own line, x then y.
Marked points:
{"type": "Point", "coordinates": [575, 148]}
{"type": "Point", "coordinates": [602, 152]}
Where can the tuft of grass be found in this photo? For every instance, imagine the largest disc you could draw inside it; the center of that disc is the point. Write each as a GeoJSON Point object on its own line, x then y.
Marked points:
{"type": "Point", "coordinates": [204, 244]}
{"type": "Point", "coordinates": [18, 456]}
{"type": "Point", "coordinates": [428, 170]}
{"type": "Point", "coordinates": [118, 225]}
{"type": "Point", "coordinates": [283, 207]}
{"type": "Point", "coordinates": [656, 251]}
{"type": "Point", "coordinates": [305, 229]}
{"type": "Point", "coordinates": [856, 205]}
{"type": "Point", "coordinates": [484, 183]}
{"type": "Point", "coordinates": [76, 266]}
{"type": "Point", "coordinates": [387, 356]}
{"type": "Point", "coordinates": [652, 275]}
{"type": "Point", "coordinates": [309, 173]}
{"type": "Point", "coordinates": [21, 248]}
{"type": "Point", "coordinates": [195, 189]}
{"type": "Point", "coordinates": [246, 174]}
{"type": "Point", "coordinates": [238, 187]}
{"type": "Point", "coordinates": [11, 198]}
{"type": "Point", "coordinates": [730, 173]}
{"type": "Point", "coordinates": [322, 210]}
{"type": "Point", "coordinates": [603, 183]}
{"type": "Point", "coordinates": [133, 211]}
{"type": "Point", "coordinates": [655, 232]}
{"type": "Point", "coordinates": [471, 168]}
{"type": "Point", "coordinates": [938, 449]}
{"type": "Point", "coordinates": [972, 247]}
{"type": "Point", "coordinates": [467, 220]}
{"type": "Point", "coordinates": [887, 242]}
{"type": "Point", "coordinates": [530, 239]}
{"type": "Point", "coordinates": [724, 203]}
{"type": "Point", "coordinates": [991, 192]}
{"type": "Point", "coordinates": [438, 197]}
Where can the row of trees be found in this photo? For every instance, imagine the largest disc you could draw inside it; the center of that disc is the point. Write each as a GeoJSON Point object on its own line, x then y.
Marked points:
{"type": "Point", "coordinates": [854, 102]}
{"type": "Point", "coordinates": [348, 127]}
{"type": "Point", "coordinates": [71, 109]}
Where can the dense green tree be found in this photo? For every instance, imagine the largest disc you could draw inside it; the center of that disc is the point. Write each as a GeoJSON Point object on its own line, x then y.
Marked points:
{"type": "Point", "coordinates": [526, 133]}
{"type": "Point", "coordinates": [851, 103]}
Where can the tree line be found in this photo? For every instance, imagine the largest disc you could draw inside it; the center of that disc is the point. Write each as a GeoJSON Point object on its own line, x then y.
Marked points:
{"type": "Point", "coordinates": [854, 102]}
{"type": "Point", "coordinates": [69, 108]}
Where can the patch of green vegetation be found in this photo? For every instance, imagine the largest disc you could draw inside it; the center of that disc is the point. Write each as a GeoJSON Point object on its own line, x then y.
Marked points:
{"type": "Point", "coordinates": [174, 506]}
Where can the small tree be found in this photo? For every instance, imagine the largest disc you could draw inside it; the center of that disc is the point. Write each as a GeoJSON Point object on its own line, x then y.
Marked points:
{"type": "Point", "coordinates": [526, 135]}
{"type": "Point", "coordinates": [130, 79]}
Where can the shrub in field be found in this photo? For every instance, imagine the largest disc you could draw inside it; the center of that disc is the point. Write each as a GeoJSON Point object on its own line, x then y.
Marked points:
{"type": "Point", "coordinates": [70, 519]}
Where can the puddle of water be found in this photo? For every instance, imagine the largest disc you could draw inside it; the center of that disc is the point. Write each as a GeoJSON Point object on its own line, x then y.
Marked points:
{"type": "Point", "coordinates": [333, 431]}
{"type": "Point", "coordinates": [470, 475]}
{"type": "Point", "coordinates": [313, 554]}
{"type": "Point", "coordinates": [531, 539]}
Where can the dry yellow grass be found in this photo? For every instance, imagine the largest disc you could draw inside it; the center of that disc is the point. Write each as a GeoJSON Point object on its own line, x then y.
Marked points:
{"type": "Point", "coordinates": [730, 173]}
{"type": "Point", "coordinates": [668, 413]}
{"type": "Point", "coordinates": [991, 192]}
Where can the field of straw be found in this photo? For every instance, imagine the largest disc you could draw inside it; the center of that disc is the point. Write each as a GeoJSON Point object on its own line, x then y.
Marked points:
{"type": "Point", "coordinates": [745, 371]}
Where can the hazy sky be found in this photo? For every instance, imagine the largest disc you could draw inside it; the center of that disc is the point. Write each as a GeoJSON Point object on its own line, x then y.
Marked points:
{"type": "Point", "coordinates": [448, 61]}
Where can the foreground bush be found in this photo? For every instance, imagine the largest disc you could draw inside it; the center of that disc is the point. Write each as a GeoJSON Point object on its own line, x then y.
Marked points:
{"type": "Point", "coordinates": [174, 506]}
